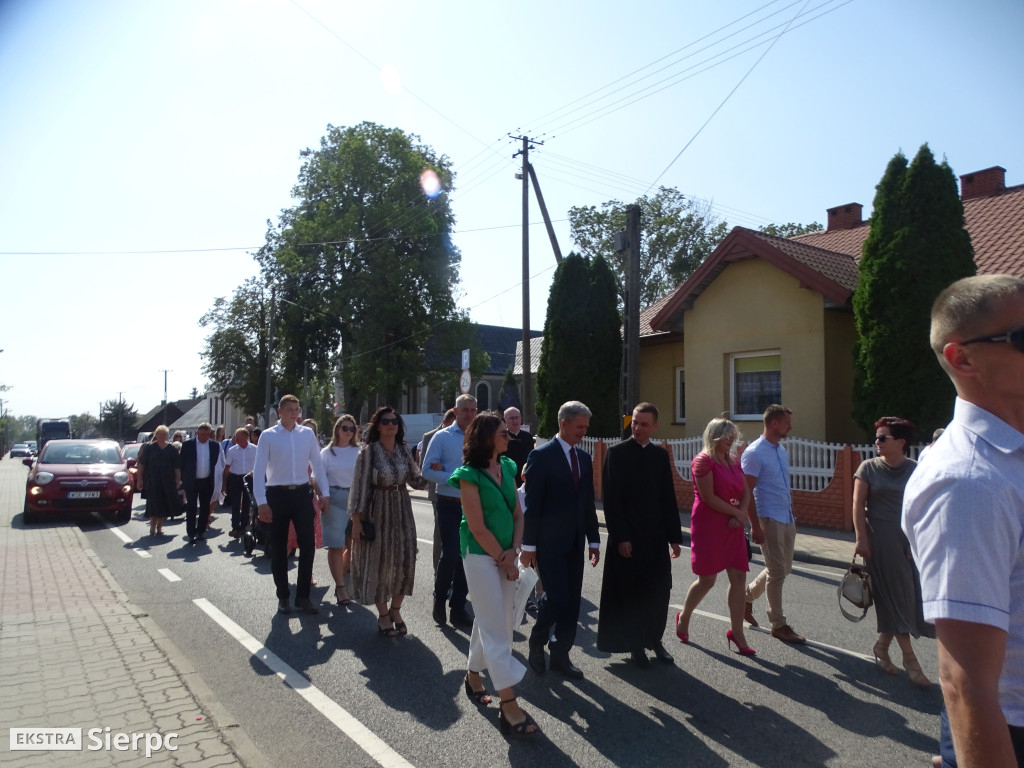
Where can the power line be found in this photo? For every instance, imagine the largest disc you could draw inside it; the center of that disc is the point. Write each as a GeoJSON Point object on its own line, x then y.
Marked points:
{"type": "Point", "coordinates": [729, 95]}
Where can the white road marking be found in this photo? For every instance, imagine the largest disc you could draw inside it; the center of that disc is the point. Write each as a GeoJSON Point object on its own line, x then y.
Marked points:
{"type": "Point", "coordinates": [764, 631]}
{"type": "Point", "coordinates": [368, 741]}
{"type": "Point", "coordinates": [426, 541]}
{"type": "Point", "coordinates": [168, 574]}
{"type": "Point", "coordinates": [126, 539]}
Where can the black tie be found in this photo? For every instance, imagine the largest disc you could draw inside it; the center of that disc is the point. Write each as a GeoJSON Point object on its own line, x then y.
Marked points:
{"type": "Point", "coordinates": [575, 469]}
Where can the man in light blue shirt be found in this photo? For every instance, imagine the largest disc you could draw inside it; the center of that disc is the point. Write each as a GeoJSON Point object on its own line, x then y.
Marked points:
{"type": "Point", "coordinates": [772, 525]}
{"type": "Point", "coordinates": [444, 456]}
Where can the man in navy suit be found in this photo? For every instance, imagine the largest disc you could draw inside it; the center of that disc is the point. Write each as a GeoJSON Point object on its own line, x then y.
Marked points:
{"type": "Point", "coordinates": [200, 479]}
{"type": "Point", "coordinates": [559, 516]}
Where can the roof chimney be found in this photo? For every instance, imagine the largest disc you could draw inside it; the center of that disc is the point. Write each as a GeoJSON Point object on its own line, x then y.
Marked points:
{"type": "Point", "coordinates": [990, 181]}
{"type": "Point", "coordinates": [845, 216]}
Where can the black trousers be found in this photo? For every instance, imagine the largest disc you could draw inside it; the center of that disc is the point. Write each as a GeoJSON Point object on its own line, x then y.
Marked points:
{"type": "Point", "coordinates": [238, 500]}
{"type": "Point", "coordinates": [295, 506]}
{"type": "Point", "coordinates": [562, 576]}
{"type": "Point", "coordinates": [450, 572]}
{"type": "Point", "coordinates": [197, 506]}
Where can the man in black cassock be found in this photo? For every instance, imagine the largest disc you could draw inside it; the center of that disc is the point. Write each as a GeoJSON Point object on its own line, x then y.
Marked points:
{"type": "Point", "coordinates": [643, 525]}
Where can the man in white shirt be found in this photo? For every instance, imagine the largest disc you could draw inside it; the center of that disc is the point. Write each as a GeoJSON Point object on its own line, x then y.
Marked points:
{"type": "Point", "coordinates": [963, 512]}
{"type": "Point", "coordinates": [239, 460]}
{"type": "Point", "coordinates": [284, 456]}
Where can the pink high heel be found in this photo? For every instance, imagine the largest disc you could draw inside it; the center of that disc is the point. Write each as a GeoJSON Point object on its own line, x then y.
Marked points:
{"type": "Point", "coordinates": [684, 636]}
{"type": "Point", "coordinates": [730, 639]}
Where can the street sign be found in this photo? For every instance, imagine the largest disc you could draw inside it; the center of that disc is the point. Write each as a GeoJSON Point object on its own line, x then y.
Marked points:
{"type": "Point", "coordinates": [464, 381]}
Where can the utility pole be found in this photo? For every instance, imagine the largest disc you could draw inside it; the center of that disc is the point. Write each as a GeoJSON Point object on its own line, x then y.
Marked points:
{"type": "Point", "coordinates": [120, 415]}
{"type": "Point", "coordinates": [529, 414]}
{"type": "Point", "coordinates": [270, 356]}
{"type": "Point", "coordinates": [163, 419]}
{"type": "Point", "coordinates": [629, 241]}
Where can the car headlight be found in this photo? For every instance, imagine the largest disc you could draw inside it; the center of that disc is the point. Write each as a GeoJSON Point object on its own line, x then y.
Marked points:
{"type": "Point", "coordinates": [42, 478]}
{"type": "Point", "coordinates": [120, 478]}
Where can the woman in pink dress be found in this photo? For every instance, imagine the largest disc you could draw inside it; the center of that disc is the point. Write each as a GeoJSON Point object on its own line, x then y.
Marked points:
{"type": "Point", "coordinates": [720, 502]}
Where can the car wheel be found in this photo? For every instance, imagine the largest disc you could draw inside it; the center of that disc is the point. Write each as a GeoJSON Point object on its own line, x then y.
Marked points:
{"type": "Point", "coordinates": [28, 517]}
{"type": "Point", "coordinates": [124, 515]}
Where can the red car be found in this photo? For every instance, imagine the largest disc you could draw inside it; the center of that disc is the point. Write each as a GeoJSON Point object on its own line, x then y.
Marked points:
{"type": "Point", "coordinates": [74, 476]}
{"type": "Point", "coordinates": [130, 451]}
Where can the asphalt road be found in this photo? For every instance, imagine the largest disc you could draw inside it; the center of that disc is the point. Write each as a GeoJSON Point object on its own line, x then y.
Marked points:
{"type": "Point", "coordinates": [335, 693]}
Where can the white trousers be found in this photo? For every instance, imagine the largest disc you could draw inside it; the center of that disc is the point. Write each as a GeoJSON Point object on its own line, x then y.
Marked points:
{"type": "Point", "coordinates": [490, 645]}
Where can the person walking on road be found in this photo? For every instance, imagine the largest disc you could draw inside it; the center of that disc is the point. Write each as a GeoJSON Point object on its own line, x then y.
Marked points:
{"type": "Point", "coordinates": [284, 456]}
{"type": "Point", "coordinates": [765, 465]}
{"type": "Point", "coordinates": [442, 457]}
{"type": "Point", "coordinates": [559, 521]}
{"type": "Point", "coordinates": [339, 464]}
{"type": "Point", "coordinates": [643, 527]}
{"type": "Point", "coordinates": [239, 461]}
{"type": "Point", "coordinates": [384, 564]}
{"type": "Point", "coordinates": [963, 513]}
{"type": "Point", "coordinates": [878, 488]}
{"type": "Point", "coordinates": [490, 533]}
{"type": "Point", "coordinates": [200, 479]}
{"type": "Point", "coordinates": [159, 478]}
{"type": "Point", "coordinates": [721, 504]}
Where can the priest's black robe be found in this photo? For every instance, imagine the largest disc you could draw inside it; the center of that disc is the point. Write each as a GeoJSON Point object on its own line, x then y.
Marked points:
{"type": "Point", "coordinates": [639, 507]}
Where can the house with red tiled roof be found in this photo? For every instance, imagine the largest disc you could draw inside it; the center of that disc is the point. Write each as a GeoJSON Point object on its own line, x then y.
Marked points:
{"type": "Point", "coordinates": [767, 319]}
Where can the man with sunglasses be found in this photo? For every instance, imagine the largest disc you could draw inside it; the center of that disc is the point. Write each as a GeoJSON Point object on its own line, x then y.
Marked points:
{"type": "Point", "coordinates": [963, 513]}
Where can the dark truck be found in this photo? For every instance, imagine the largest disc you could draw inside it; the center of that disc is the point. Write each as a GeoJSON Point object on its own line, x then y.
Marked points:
{"type": "Point", "coordinates": [52, 429]}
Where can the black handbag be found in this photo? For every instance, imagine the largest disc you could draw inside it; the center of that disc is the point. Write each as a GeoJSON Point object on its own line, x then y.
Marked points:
{"type": "Point", "coordinates": [369, 531]}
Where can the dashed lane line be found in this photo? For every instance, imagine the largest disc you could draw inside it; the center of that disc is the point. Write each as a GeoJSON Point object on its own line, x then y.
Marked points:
{"type": "Point", "coordinates": [368, 741]}
{"type": "Point", "coordinates": [168, 574]}
{"type": "Point", "coordinates": [127, 540]}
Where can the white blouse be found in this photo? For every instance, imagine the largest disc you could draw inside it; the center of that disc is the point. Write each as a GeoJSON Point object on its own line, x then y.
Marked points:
{"type": "Point", "coordinates": [339, 466]}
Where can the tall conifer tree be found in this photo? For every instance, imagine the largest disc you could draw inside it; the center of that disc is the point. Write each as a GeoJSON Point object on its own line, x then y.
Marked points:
{"type": "Point", "coordinates": [581, 353]}
{"type": "Point", "coordinates": [917, 246]}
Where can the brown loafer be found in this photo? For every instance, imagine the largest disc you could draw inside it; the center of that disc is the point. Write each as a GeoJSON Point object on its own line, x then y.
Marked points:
{"type": "Point", "coordinates": [748, 614]}
{"type": "Point", "coordinates": [786, 634]}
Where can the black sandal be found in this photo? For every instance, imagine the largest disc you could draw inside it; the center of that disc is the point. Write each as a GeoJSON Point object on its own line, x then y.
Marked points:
{"type": "Point", "coordinates": [386, 631]}
{"type": "Point", "coordinates": [519, 729]}
{"type": "Point", "coordinates": [400, 626]}
{"type": "Point", "coordinates": [342, 590]}
{"type": "Point", "coordinates": [477, 696]}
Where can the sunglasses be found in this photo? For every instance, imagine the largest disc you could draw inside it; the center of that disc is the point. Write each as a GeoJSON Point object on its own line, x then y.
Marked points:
{"type": "Point", "coordinates": [347, 428]}
{"type": "Point", "coordinates": [1014, 338]}
{"type": "Point", "coordinates": [384, 420]}
{"type": "Point", "coordinates": [883, 438]}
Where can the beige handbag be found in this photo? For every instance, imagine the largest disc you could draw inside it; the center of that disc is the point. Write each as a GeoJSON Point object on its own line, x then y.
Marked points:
{"type": "Point", "coordinates": [856, 589]}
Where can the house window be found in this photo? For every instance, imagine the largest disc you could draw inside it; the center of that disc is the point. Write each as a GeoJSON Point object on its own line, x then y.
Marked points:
{"type": "Point", "coordinates": [483, 396]}
{"type": "Point", "coordinates": [756, 383]}
{"type": "Point", "coordinates": [681, 395]}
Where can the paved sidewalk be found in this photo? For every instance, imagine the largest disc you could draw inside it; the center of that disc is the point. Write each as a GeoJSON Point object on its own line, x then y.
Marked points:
{"type": "Point", "coordinates": [74, 653]}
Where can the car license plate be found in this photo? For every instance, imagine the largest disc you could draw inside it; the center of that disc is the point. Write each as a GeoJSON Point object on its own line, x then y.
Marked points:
{"type": "Point", "coordinates": [83, 494]}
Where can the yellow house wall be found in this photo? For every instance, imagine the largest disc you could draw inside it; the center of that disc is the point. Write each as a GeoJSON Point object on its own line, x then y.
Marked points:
{"type": "Point", "coordinates": [658, 363]}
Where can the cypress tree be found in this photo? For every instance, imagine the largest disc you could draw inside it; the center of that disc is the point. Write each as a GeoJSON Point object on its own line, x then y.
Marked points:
{"type": "Point", "coordinates": [582, 347]}
{"type": "Point", "coordinates": [917, 246]}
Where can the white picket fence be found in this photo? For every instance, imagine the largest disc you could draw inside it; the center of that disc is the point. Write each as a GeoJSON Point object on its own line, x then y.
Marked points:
{"type": "Point", "coordinates": [811, 463]}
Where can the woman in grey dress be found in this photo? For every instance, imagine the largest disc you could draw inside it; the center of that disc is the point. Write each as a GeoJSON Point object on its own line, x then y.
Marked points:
{"type": "Point", "coordinates": [383, 569]}
{"type": "Point", "coordinates": [877, 504]}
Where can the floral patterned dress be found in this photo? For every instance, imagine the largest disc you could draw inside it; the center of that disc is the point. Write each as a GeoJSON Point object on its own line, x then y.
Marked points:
{"type": "Point", "coordinates": [386, 566]}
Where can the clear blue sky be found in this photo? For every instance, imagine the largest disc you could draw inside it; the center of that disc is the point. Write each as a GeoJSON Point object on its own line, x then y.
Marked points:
{"type": "Point", "coordinates": [144, 145]}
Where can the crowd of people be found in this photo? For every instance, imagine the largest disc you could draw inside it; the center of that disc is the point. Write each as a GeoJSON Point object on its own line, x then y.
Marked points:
{"type": "Point", "coordinates": [942, 537]}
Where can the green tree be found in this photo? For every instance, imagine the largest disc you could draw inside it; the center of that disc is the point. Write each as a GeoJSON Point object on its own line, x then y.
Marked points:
{"type": "Point", "coordinates": [235, 353]}
{"type": "Point", "coordinates": [581, 354]}
{"type": "Point", "coordinates": [791, 229]}
{"type": "Point", "coordinates": [85, 425]}
{"type": "Point", "coordinates": [117, 420]}
{"type": "Point", "coordinates": [917, 246]}
{"type": "Point", "coordinates": [363, 264]}
{"type": "Point", "coordinates": [677, 233]}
